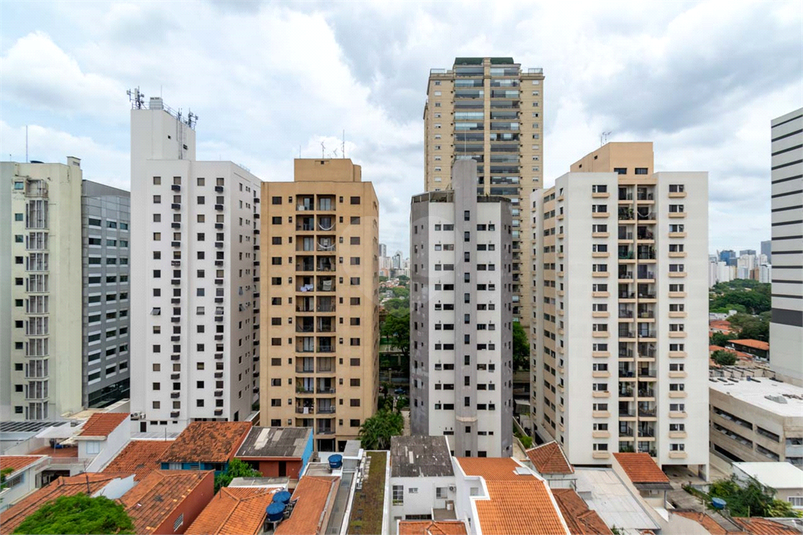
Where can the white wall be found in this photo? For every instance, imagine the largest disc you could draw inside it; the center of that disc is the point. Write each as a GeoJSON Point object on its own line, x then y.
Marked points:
{"type": "Point", "coordinates": [423, 501]}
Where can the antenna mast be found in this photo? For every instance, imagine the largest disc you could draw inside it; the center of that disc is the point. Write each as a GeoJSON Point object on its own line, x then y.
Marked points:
{"type": "Point", "coordinates": [603, 138]}
{"type": "Point", "coordinates": [323, 151]}
{"type": "Point", "coordinates": [136, 97]}
{"type": "Point", "coordinates": [343, 145]}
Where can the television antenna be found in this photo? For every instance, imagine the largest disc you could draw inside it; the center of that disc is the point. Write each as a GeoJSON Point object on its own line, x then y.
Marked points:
{"type": "Point", "coordinates": [323, 150]}
{"type": "Point", "coordinates": [136, 97]}
{"type": "Point", "coordinates": [603, 138]}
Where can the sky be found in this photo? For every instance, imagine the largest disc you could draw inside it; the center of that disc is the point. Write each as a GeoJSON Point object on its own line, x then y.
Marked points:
{"type": "Point", "coordinates": [272, 80]}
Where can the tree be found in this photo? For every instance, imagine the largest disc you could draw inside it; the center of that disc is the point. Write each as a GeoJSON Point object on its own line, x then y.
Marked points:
{"type": "Point", "coordinates": [720, 339]}
{"type": "Point", "coordinates": [723, 358]}
{"type": "Point", "coordinates": [376, 431]}
{"type": "Point", "coordinates": [400, 292]}
{"type": "Point", "coordinates": [521, 348]}
{"type": "Point", "coordinates": [751, 327]}
{"type": "Point", "coordinates": [236, 468]}
{"type": "Point", "coordinates": [750, 499]}
{"type": "Point", "coordinates": [397, 330]}
{"type": "Point", "coordinates": [78, 514]}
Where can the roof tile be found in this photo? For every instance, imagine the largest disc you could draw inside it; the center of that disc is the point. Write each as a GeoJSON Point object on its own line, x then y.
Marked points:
{"type": "Point", "coordinates": [211, 442]}
{"type": "Point", "coordinates": [140, 457]}
{"type": "Point", "coordinates": [18, 462]}
{"type": "Point", "coordinates": [549, 459]}
{"type": "Point", "coordinates": [432, 527]}
{"type": "Point", "coordinates": [580, 519]}
{"type": "Point", "coordinates": [314, 494]}
{"type": "Point", "coordinates": [640, 468]}
{"type": "Point", "coordinates": [101, 424]}
{"type": "Point", "coordinates": [764, 526]}
{"type": "Point", "coordinates": [234, 511]}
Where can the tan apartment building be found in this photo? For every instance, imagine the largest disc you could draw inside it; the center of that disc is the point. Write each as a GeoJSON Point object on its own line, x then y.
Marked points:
{"type": "Point", "coordinates": [490, 110]}
{"type": "Point", "coordinates": [619, 349]}
{"type": "Point", "coordinates": [319, 357]}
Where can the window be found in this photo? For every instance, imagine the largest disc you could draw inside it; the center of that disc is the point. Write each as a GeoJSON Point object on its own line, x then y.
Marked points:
{"type": "Point", "coordinates": [676, 188]}
{"type": "Point", "coordinates": [398, 495]}
{"type": "Point", "coordinates": [93, 447]}
{"type": "Point", "coordinates": [180, 520]}
{"type": "Point", "coordinates": [620, 170]}
{"type": "Point", "coordinates": [641, 170]}
{"type": "Point", "coordinates": [354, 200]}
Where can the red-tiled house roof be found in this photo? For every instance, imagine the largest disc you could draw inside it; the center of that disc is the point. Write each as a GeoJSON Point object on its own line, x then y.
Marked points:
{"type": "Point", "coordinates": [101, 424]}
{"type": "Point", "coordinates": [432, 527]}
{"type": "Point", "coordinates": [764, 526]}
{"type": "Point", "coordinates": [234, 511]}
{"type": "Point", "coordinates": [710, 525]}
{"type": "Point", "coordinates": [580, 519]}
{"type": "Point", "coordinates": [18, 462]}
{"type": "Point", "coordinates": [63, 486]}
{"type": "Point", "coordinates": [314, 495]}
{"type": "Point", "coordinates": [549, 459]}
{"type": "Point", "coordinates": [139, 457]}
{"type": "Point", "coordinates": [640, 468]}
{"type": "Point", "coordinates": [753, 344]}
{"type": "Point", "coordinates": [207, 442]}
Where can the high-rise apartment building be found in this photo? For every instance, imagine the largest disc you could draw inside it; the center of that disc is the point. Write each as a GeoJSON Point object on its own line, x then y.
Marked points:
{"type": "Point", "coordinates": [766, 250]}
{"type": "Point", "coordinates": [620, 355]}
{"type": "Point", "coordinates": [490, 110]}
{"type": "Point", "coordinates": [320, 297]}
{"type": "Point", "coordinates": [195, 272]}
{"type": "Point", "coordinates": [461, 321]}
{"type": "Point", "coordinates": [106, 288]}
{"type": "Point", "coordinates": [40, 288]}
{"type": "Point", "coordinates": [786, 327]}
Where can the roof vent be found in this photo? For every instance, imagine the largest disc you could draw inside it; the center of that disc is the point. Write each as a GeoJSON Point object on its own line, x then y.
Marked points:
{"type": "Point", "coordinates": [777, 399]}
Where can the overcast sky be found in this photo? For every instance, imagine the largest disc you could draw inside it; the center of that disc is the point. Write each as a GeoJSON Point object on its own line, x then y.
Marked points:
{"type": "Point", "coordinates": [701, 80]}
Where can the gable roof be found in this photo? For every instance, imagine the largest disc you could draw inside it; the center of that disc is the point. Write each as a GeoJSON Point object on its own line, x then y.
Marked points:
{"type": "Point", "coordinates": [63, 486]}
{"type": "Point", "coordinates": [491, 468]}
{"type": "Point", "coordinates": [19, 462]}
{"type": "Point", "coordinates": [314, 495]}
{"type": "Point", "coordinates": [234, 511]}
{"type": "Point", "coordinates": [765, 526]}
{"type": "Point", "coordinates": [210, 442]}
{"type": "Point", "coordinates": [420, 456]}
{"type": "Point", "coordinates": [580, 519]}
{"type": "Point", "coordinates": [754, 344]}
{"type": "Point", "coordinates": [101, 424]}
{"type": "Point", "coordinates": [275, 442]}
{"type": "Point", "coordinates": [710, 525]}
{"type": "Point", "coordinates": [154, 498]}
{"type": "Point", "coordinates": [139, 457]}
{"type": "Point", "coordinates": [640, 468]}
{"type": "Point", "coordinates": [432, 527]}
{"type": "Point", "coordinates": [549, 459]}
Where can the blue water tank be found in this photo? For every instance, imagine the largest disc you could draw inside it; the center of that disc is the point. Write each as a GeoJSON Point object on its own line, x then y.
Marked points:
{"type": "Point", "coordinates": [275, 511]}
{"type": "Point", "coordinates": [281, 497]}
{"type": "Point", "coordinates": [718, 503]}
{"type": "Point", "coordinates": [335, 461]}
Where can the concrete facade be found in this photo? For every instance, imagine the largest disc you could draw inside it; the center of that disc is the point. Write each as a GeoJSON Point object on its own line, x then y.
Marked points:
{"type": "Point", "coordinates": [320, 293]}
{"type": "Point", "coordinates": [626, 248]}
{"type": "Point", "coordinates": [461, 317]}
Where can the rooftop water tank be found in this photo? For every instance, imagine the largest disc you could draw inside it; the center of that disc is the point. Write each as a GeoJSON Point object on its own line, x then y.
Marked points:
{"type": "Point", "coordinates": [281, 497]}
{"type": "Point", "coordinates": [275, 511]}
{"type": "Point", "coordinates": [718, 503]}
{"type": "Point", "coordinates": [335, 461]}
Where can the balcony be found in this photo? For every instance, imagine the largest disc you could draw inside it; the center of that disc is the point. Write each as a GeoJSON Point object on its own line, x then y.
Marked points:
{"type": "Point", "coordinates": [626, 214]}
{"type": "Point", "coordinates": [625, 275]}
{"type": "Point", "coordinates": [305, 409]}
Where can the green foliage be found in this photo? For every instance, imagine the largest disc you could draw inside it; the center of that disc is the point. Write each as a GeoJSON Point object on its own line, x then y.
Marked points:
{"type": "Point", "coordinates": [752, 499]}
{"type": "Point", "coordinates": [720, 339]}
{"type": "Point", "coordinates": [743, 295]}
{"type": "Point", "coordinates": [368, 505]}
{"type": "Point", "coordinates": [78, 514]}
{"type": "Point", "coordinates": [400, 292]}
{"type": "Point", "coordinates": [521, 348]}
{"type": "Point", "coordinates": [236, 468]}
{"type": "Point", "coordinates": [626, 448]}
{"type": "Point", "coordinates": [376, 431]}
{"type": "Point", "coordinates": [723, 358]}
{"type": "Point", "coordinates": [404, 279]}
{"type": "Point", "coordinates": [751, 327]}
{"type": "Point", "coordinates": [400, 304]}
{"type": "Point", "coordinates": [396, 329]}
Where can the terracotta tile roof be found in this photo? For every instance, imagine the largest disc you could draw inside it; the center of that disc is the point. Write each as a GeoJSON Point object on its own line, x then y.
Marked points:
{"type": "Point", "coordinates": [580, 519]}
{"type": "Point", "coordinates": [211, 442]}
{"type": "Point", "coordinates": [154, 498]}
{"type": "Point", "coordinates": [139, 457]}
{"type": "Point", "coordinates": [101, 424]}
{"type": "Point", "coordinates": [764, 526]}
{"type": "Point", "coordinates": [707, 522]}
{"type": "Point", "coordinates": [740, 354]}
{"type": "Point", "coordinates": [18, 462]}
{"type": "Point", "coordinates": [640, 468]}
{"type": "Point", "coordinates": [549, 459]}
{"type": "Point", "coordinates": [233, 511]}
{"type": "Point", "coordinates": [755, 344]}
{"type": "Point", "coordinates": [59, 453]}
{"type": "Point", "coordinates": [721, 325]}
{"type": "Point", "coordinates": [518, 503]}
{"type": "Point", "coordinates": [63, 486]}
{"type": "Point", "coordinates": [314, 495]}
{"type": "Point", "coordinates": [432, 527]}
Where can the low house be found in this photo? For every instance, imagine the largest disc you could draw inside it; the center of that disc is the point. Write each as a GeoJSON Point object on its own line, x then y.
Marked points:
{"type": "Point", "coordinates": [139, 457]}
{"type": "Point", "coordinates": [168, 501]}
{"type": "Point", "coordinates": [205, 446]}
{"type": "Point", "coordinates": [754, 347]}
{"type": "Point", "coordinates": [580, 519]}
{"type": "Point", "coordinates": [550, 462]}
{"type": "Point", "coordinates": [312, 503]}
{"type": "Point", "coordinates": [785, 478]}
{"type": "Point", "coordinates": [644, 474]}
{"type": "Point", "coordinates": [277, 451]}
{"type": "Point", "coordinates": [234, 510]}
{"type": "Point", "coordinates": [102, 437]}
{"type": "Point", "coordinates": [23, 477]}
{"type": "Point", "coordinates": [422, 480]}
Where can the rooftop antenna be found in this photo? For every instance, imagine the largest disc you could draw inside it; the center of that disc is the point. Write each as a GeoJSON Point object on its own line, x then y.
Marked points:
{"type": "Point", "coordinates": [323, 150]}
{"type": "Point", "coordinates": [603, 138]}
{"type": "Point", "coordinates": [343, 145]}
{"type": "Point", "coordinates": [136, 97]}
{"type": "Point", "coordinates": [26, 143]}
{"type": "Point", "coordinates": [335, 152]}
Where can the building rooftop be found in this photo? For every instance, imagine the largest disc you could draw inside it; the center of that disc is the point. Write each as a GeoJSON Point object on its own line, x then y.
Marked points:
{"type": "Point", "coordinates": [754, 344]}
{"type": "Point", "coordinates": [210, 442]}
{"type": "Point", "coordinates": [154, 499]}
{"type": "Point", "coordinates": [315, 495]}
{"type": "Point", "coordinates": [580, 519]}
{"type": "Point", "coordinates": [549, 459]}
{"type": "Point", "coordinates": [63, 486]}
{"type": "Point", "coordinates": [432, 527]}
{"type": "Point", "coordinates": [765, 526]}
{"type": "Point", "coordinates": [778, 475]}
{"type": "Point", "coordinates": [234, 511]}
{"type": "Point", "coordinates": [612, 500]}
{"type": "Point", "coordinates": [723, 527]}
{"type": "Point", "coordinates": [19, 462]}
{"type": "Point", "coordinates": [641, 469]}
{"type": "Point", "coordinates": [57, 453]}
{"type": "Point", "coordinates": [101, 424]}
{"type": "Point", "coordinates": [139, 457]}
{"type": "Point", "coordinates": [783, 399]}
{"type": "Point", "coordinates": [420, 456]}
{"type": "Point", "coordinates": [275, 442]}
{"type": "Point", "coordinates": [519, 501]}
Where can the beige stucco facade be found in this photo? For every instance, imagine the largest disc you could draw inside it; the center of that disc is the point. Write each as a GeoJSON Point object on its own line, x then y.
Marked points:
{"type": "Point", "coordinates": [319, 358]}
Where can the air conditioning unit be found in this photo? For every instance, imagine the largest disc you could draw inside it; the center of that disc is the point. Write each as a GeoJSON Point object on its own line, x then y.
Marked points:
{"type": "Point", "coordinates": [452, 488]}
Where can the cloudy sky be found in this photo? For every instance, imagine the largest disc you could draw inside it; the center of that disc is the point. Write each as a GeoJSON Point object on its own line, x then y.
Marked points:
{"type": "Point", "coordinates": [269, 80]}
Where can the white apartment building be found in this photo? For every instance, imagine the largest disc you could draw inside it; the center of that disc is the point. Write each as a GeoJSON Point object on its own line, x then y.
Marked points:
{"type": "Point", "coordinates": [620, 350]}
{"type": "Point", "coordinates": [786, 326]}
{"type": "Point", "coordinates": [40, 288]}
{"type": "Point", "coordinates": [195, 270]}
{"type": "Point", "coordinates": [461, 317]}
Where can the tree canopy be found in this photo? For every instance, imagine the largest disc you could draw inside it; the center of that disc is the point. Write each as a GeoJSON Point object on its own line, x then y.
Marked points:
{"type": "Point", "coordinates": [752, 327]}
{"type": "Point", "coordinates": [396, 329]}
{"type": "Point", "coordinates": [746, 296]}
{"type": "Point", "coordinates": [376, 431]}
{"type": "Point", "coordinates": [751, 499]}
{"type": "Point", "coordinates": [78, 514]}
{"type": "Point", "coordinates": [521, 348]}
{"type": "Point", "coordinates": [723, 358]}
{"type": "Point", "coordinates": [237, 468]}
